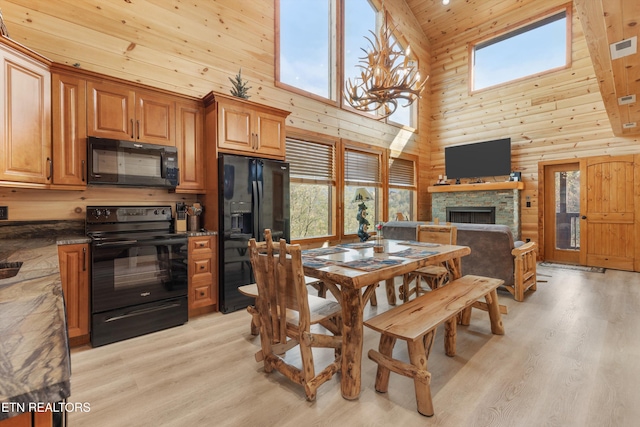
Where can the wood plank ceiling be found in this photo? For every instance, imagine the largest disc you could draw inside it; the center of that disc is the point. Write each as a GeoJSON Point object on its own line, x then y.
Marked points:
{"type": "Point", "coordinates": [604, 22]}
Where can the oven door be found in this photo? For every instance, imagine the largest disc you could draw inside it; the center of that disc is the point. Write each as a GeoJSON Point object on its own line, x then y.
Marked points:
{"type": "Point", "coordinates": [130, 272]}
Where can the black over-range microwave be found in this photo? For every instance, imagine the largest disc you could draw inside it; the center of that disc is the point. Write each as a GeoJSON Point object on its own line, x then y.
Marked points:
{"type": "Point", "coordinates": [129, 163]}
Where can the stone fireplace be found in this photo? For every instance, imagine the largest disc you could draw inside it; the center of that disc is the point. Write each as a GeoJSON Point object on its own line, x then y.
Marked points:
{"type": "Point", "coordinates": [487, 203]}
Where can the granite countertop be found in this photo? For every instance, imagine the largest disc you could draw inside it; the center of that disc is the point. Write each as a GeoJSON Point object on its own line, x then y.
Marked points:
{"type": "Point", "coordinates": [201, 233]}
{"type": "Point", "coordinates": [35, 365]}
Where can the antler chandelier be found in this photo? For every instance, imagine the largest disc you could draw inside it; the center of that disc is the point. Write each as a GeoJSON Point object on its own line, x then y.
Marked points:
{"type": "Point", "coordinates": [387, 76]}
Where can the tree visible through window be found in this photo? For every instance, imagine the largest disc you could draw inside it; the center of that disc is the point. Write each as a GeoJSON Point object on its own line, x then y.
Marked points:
{"type": "Point", "coordinates": [361, 170]}
{"type": "Point", "coordinates": [402, 188]}
{"type": "Point", "coordinates": [529, 50]}
{"type": "Point", "coordinates": [312, 188]}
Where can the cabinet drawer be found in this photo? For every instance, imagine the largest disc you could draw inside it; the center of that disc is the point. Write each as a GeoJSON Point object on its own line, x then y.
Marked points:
{"type": "Point", "coordinates": [201, 266]}
{"type": "Point", "coordinates": [201, 293]}
{"type": "Point", "coordinates": [203, 244]}
{"type": "Point", "coordinates": [201, 269]}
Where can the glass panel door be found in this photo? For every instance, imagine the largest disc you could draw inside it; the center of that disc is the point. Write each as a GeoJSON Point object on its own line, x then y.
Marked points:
{"type": "Point", "coordinates": [567, 203]}
{"type": "Point", "coordinates": [562, 213]}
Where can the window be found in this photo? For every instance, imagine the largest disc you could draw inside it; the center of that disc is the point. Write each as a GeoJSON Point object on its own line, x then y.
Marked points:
{"type": "Point", "coordinates": [360, 19]}
{"type": "Point", "coordinates": [402, 188]}
{"type": "Point", "coordinates": [307, 46]}
{"type": "Point", "coordinates": [529, 50]}
{"type": "Point", "coordinates": [361, 170]}
{"type": "Point", "coordinates": [404, 115]}
{"type": "Point", "coordinates": [312, 186]}
{"type": "Point", "coordinates": [311, 41]}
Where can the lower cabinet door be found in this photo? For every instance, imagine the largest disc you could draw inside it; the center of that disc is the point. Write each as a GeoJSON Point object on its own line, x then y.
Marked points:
{"type": "Point", "coordinates": [74, 263]}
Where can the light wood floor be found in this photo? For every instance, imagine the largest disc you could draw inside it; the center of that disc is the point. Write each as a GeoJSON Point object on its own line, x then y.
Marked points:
{"type": "Point", "coordinates": [570, 357]}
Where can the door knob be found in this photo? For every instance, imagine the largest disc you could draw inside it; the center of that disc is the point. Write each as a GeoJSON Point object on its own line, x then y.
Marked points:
{"type": "Point", "coordinates": [584, 217]}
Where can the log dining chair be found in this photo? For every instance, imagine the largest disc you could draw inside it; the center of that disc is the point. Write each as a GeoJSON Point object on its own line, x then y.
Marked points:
{"type": "Point", "coordinates": [286, 314]}
{"type": "Point", "coordinates": [251, 290]}
{"type": "Point", "coordinates": [434, 275]}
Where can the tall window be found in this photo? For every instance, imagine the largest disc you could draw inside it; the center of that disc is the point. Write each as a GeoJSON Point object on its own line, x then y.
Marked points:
{"type": "Point", "coordinates": [402, 188]}
{"type": "Point", "coordinates": [360, 19]}
{"type": "Point", "coordinates": [312, 172]}
{"type": "Point", "coordinates": [314, 50]}
{"type": "Point", "coordinates": [529, 50]}
{"type": "Point", "coordinates": [404, 115]}
{"type": "Point", "coordinates": [307, 46]}
{"type": "Point", "coordinates": [362, 170]}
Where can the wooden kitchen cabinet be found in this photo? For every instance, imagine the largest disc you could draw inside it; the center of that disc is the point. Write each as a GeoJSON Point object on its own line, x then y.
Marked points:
{"type": "Point", "coordinates": [74, 264]}
{"type": "Point", "coordinates": [203, 289]}
{"type": "Point", "coordinates": [30, 419]}
{"type": "Point", "coordinates": [190, 144]}
{"type": "Point", "coordinates": [69, 111]}
{"type": "Point", "coordinates": [119, 111]}
{"type": "Point", "coordinates": [25, 115]}
{"type": "Point", "coordinates": [245, 127]}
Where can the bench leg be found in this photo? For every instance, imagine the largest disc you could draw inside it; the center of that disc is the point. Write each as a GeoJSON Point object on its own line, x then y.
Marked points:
{"type": "Point", "coordinates": [450, 330]}
{"type": "Point", "coordinates": [418, 358]}
{"type": "Point", "coordinates": [494, 313]}
{"type": "Point", "coordinates": [465, 316]}
{"type": "Point", "coordinates": [374, 299]}
{"type": "Point", "coordinates": [382, 374]}
{"type": "Point", "coordinates": [320, 287]}
{"type": "Point", "coordinates": [427, 342]}
{"type": "Point", "coordinates": [390, 287]}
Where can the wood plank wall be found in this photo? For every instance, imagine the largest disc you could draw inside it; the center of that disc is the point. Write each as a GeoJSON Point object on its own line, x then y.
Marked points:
{"type": "Point", "coordinates": [37, 205]}
{"type": "Point", "coordinates": [193, 48]}
{"type": "Point", "coordinates": [552, 117]}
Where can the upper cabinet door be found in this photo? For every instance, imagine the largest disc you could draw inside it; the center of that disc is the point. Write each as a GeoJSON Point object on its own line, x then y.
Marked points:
{"type": "Point", "coordinates": [25, 119]}
{"type": "Point", "coordinates": [69, 130]}
{"type": "Point", "coordinates": [235, 127]}
{"type": "Point", "coordinates": [110, 111]}
{"type": "Point", "coordinates": [155, 119]}
{"type": "Point", "coordinates": [248, 128]}
{"type": "Point", "coordinates": [270, 134]}
{"type": "Point", "coordinates": [190, 143]}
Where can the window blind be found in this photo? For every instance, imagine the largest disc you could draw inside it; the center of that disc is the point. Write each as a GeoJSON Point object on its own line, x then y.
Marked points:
{"type": "Point", "coordinates": [361, 167]}
{"type": "Point", "coordinates": [402, 172]}
{"type": "Point", "coordinates": [310, 160]}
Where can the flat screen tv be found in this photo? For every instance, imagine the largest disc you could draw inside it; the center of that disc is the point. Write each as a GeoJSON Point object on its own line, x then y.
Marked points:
{"type": "Point", "coordinates": [478, 160]}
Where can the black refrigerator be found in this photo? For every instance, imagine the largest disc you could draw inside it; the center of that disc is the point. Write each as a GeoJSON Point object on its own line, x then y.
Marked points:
{"type": "Point", "coordinates": [254, 196]}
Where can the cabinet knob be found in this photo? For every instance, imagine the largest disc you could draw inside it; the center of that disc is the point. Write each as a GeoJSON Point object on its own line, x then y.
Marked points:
{"type": "Point", "coordinates": [202, 244]}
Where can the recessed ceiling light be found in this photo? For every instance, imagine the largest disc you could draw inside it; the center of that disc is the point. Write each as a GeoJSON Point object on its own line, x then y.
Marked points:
{"type": "Point", "coordinates": [445, 2]}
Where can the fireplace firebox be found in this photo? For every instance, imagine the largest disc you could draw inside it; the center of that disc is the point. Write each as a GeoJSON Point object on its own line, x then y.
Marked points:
{"type": "Point", "coordinates": [471, 214]}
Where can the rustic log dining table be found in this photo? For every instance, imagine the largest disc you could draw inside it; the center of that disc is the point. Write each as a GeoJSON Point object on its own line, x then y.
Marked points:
{"type": "Point", "coordinates": [352, 272]}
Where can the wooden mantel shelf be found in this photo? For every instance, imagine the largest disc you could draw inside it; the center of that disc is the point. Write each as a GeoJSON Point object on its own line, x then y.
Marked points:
{"type": "Point", "coordinates": [485, 186]}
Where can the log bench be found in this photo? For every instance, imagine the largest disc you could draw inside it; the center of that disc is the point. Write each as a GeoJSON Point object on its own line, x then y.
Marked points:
{"type": "Point", "coordinates": [416, 321]}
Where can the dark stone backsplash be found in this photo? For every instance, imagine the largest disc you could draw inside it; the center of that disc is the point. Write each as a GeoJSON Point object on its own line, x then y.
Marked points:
{"type": "Point", "coordinates": [40, 229]}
